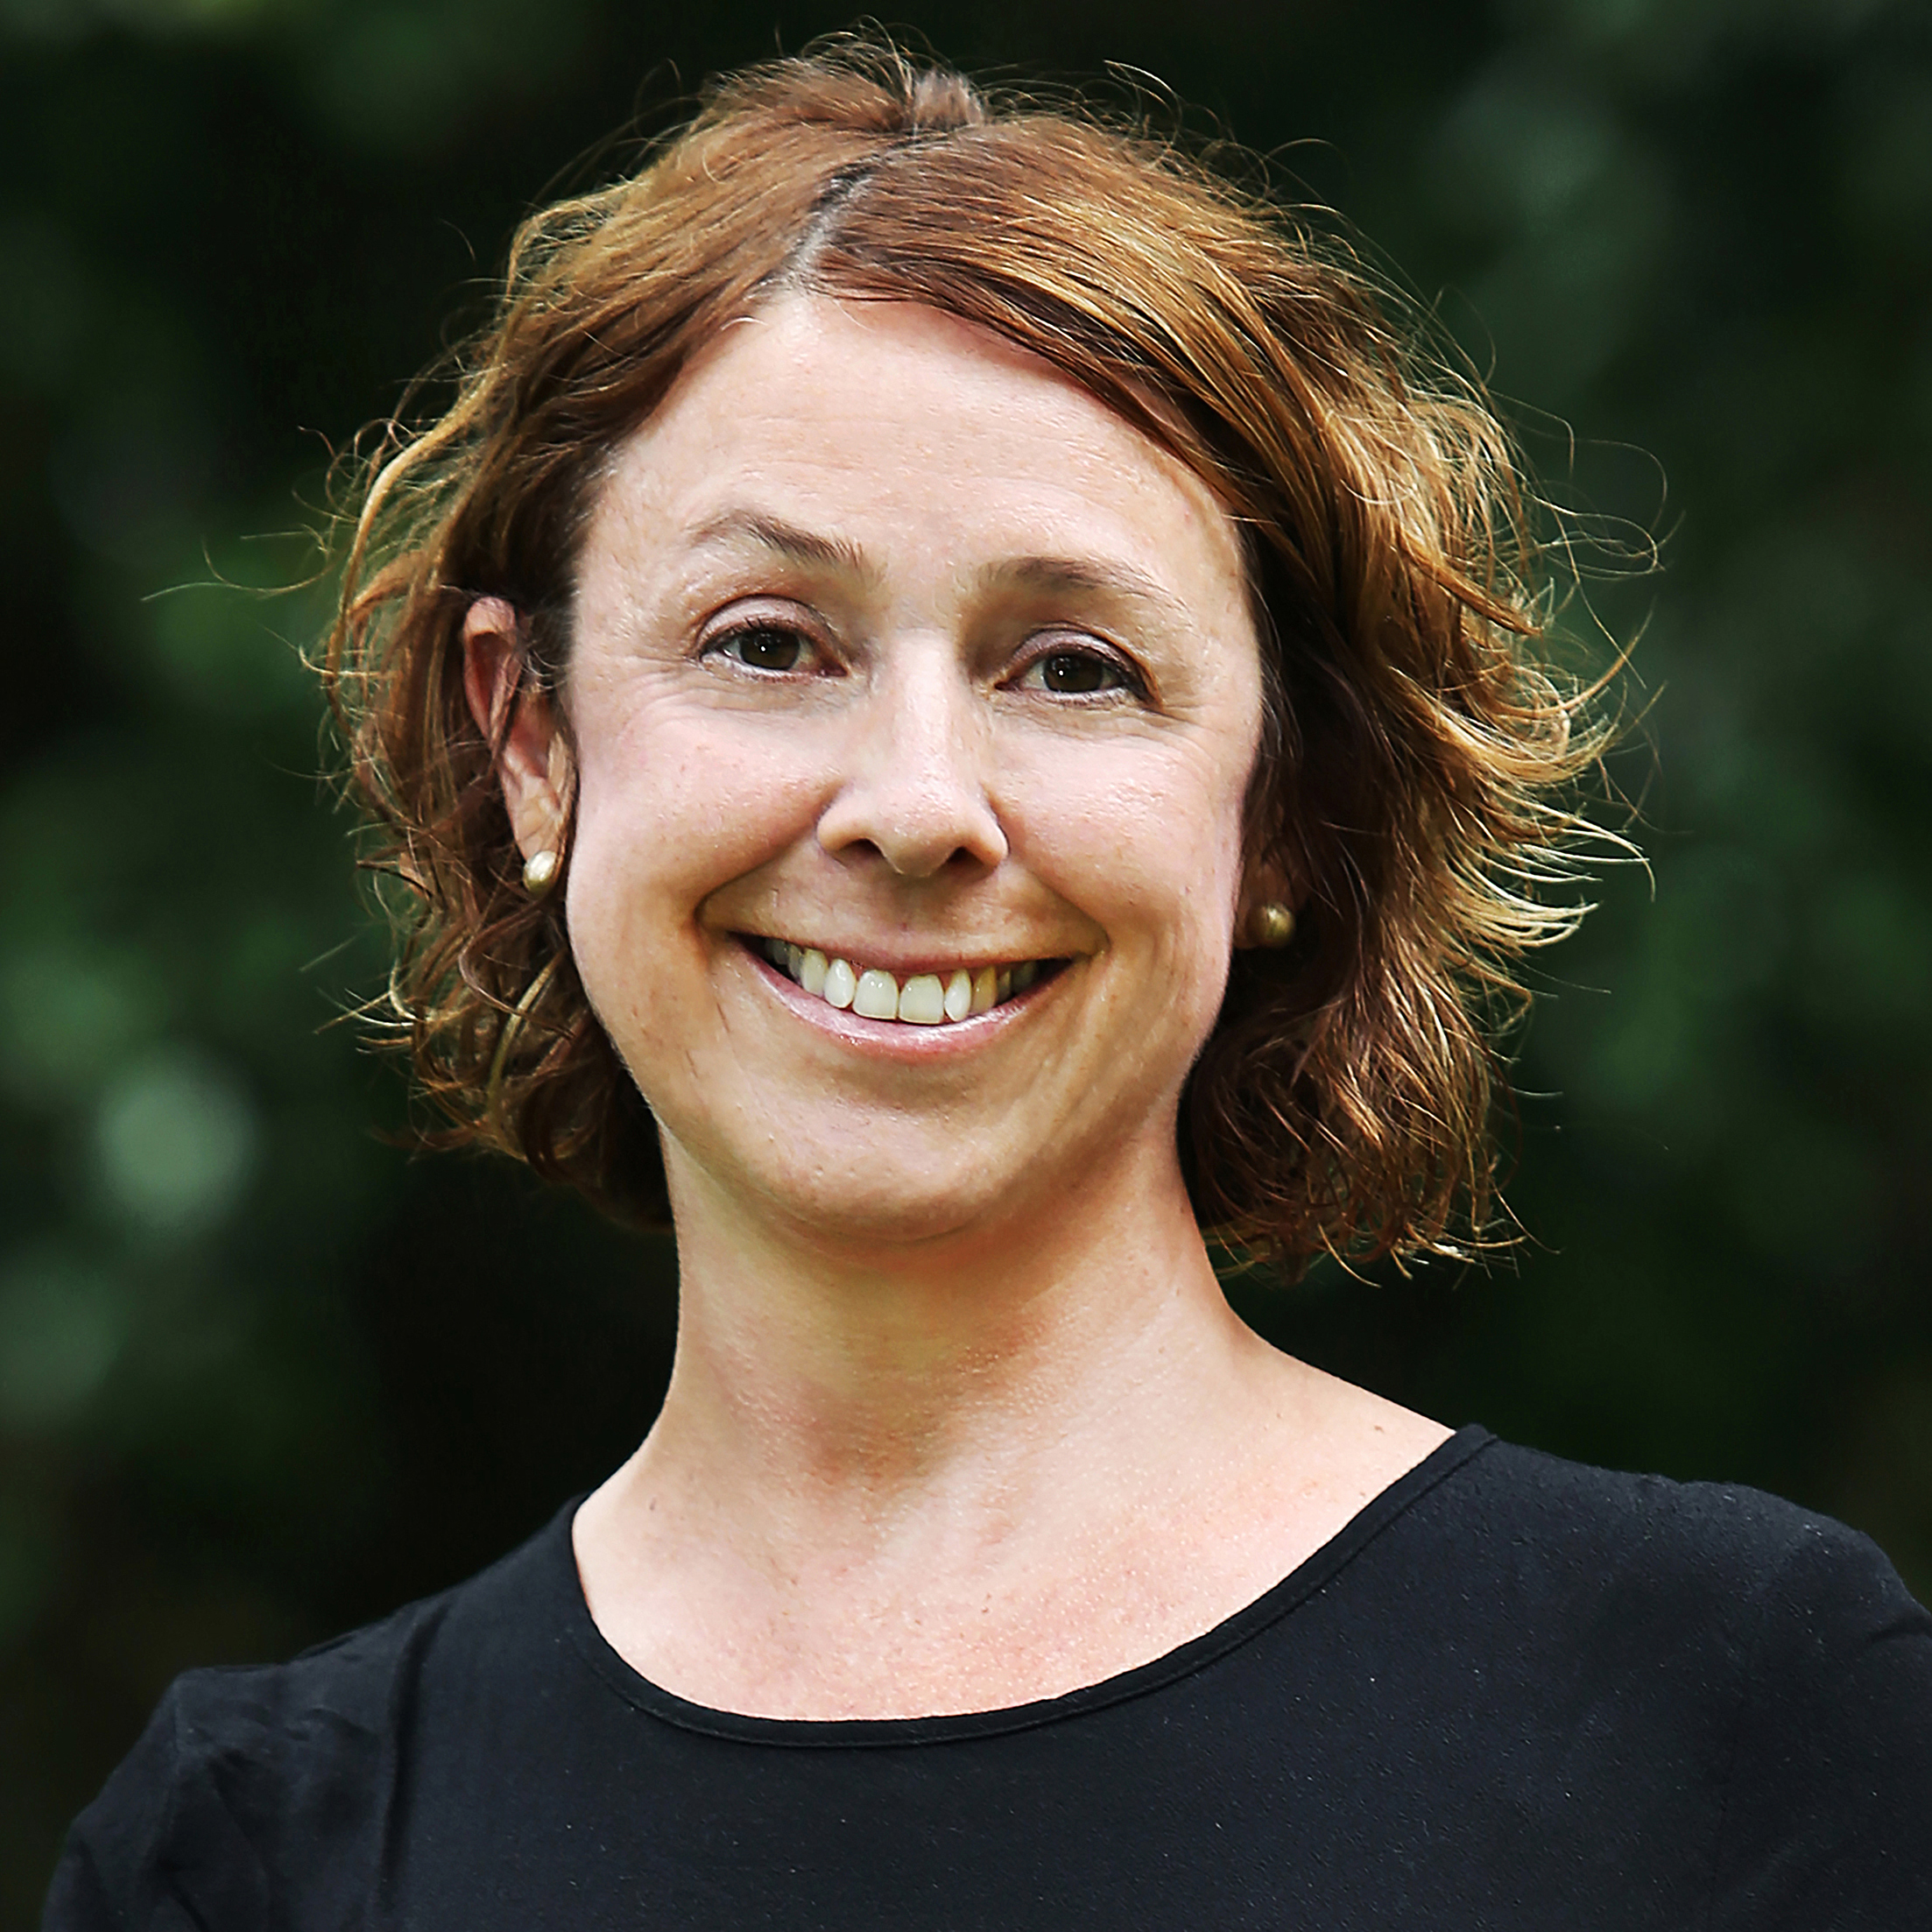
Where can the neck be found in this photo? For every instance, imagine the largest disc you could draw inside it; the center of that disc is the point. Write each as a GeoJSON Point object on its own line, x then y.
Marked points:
{"type": "Point", "coordinates": [824, 1392]}
{"type": "Point", "coordinates": [962, 1473]}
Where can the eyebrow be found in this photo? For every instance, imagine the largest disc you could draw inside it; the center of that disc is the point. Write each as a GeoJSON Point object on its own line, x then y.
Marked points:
{"type": "Point", "coordinates": [1040, 574]}
{"type": "Point", "coordinates": [1067, 574]}
{"type": "Point", "coordinates": [784, 539]}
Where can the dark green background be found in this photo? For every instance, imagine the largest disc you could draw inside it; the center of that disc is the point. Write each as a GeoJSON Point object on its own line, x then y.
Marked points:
{"type": "Point", "coordinates": [261, 1376]}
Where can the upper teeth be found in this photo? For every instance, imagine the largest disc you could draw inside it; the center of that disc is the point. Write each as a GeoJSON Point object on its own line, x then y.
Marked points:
{"type": "Point", "coordinates": [925, 999]}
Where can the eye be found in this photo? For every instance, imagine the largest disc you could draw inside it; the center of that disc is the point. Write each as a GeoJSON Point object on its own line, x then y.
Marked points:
{"type": "Point", "coordinates": [765, 646]}
{"type": "Point", "coordinates": [1079, 673]}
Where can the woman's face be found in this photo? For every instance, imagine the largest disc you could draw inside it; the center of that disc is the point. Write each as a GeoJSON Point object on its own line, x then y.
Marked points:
{"type": "Point", "coordinates": [899, 654]}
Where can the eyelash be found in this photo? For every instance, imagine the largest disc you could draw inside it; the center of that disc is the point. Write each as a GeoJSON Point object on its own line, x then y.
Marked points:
{"type": "Point", "coordinates": [715, 646]}
{"type": "Point", "coordinates": [1129, 681]}
{"type": "Point", "coordinates": [1130, 684]}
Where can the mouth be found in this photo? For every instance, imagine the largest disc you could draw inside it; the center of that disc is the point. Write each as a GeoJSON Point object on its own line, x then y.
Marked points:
{"type": "Point", "coordinates": [941, 998]}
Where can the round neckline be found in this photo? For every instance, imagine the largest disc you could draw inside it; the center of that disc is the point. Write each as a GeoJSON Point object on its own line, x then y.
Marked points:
{"type": "Point", "coordinates": [1309, 1576]}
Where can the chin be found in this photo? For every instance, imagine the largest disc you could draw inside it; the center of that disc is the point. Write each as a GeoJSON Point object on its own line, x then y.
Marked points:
{"type": "Point", "coordinates": [867, 1197]}
{"type": "Point", "coordinates": [896, 1207]}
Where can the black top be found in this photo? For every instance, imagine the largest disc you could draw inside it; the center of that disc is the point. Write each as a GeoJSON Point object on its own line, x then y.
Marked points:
{"type": "Point", "coordinates": [1513, 1693]}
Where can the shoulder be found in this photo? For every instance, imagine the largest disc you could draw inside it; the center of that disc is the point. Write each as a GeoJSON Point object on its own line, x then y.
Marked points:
{"type": "Point", "coordinates": [243, 1773]}
{"type": "Point", "coordinates": [1781, 1643]}
{"type": "Point", "coordinates": [247, 1774]}
{"type": "Point", "coordinates": [1741, 1569]}
{"type": "Point", "coordinates": [1599, 1526]}
{"type": "Point", "coordinates": [1549, 1569]}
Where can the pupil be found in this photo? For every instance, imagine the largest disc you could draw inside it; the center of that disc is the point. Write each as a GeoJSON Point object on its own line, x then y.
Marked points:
{"type": "Point", "coordinates": [1066, 672]}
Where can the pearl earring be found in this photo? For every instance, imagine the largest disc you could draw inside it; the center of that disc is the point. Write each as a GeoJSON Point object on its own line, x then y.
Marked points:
{"type": "Point", "coordinates": [540, 873]}
{"type": "Point", "coordinates": [1272, 924]}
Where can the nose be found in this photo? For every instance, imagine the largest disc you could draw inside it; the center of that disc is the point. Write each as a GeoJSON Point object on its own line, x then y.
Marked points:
{"type": "Point", "coordinates": [913, 788]}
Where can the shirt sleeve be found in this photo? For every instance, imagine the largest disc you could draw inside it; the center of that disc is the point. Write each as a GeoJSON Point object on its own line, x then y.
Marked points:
{"type": "Point", "coordinates": [259, 1795]}
{"type": "Point", "coordinates": [160, 1848]}
{"type": "Point", "coordinates": [1827, 1818]}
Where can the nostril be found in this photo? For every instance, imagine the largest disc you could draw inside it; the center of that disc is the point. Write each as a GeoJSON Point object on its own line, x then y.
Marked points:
{"type": "Point", "coordinates": [913, 851]}
{"type": "Point", "coordinates": [920, 808]}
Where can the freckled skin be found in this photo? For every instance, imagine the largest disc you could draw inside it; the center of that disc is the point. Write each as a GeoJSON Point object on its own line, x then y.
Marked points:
{"type": "Point", "coordinates": [905, 792]}
{"type": "Point", "coordinates": [893, 642]}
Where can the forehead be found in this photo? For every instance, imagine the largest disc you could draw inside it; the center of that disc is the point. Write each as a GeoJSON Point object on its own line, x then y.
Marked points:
{"type": "Point", "coordinates": [910, 436]}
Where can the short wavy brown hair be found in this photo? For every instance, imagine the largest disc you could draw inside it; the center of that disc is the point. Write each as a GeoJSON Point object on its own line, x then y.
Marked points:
{"type": "Point", "coordinates": [1417, 772]}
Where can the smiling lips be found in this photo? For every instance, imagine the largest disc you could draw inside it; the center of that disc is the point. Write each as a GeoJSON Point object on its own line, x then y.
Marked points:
{"type": "Point", "coordinates": [925, 999]}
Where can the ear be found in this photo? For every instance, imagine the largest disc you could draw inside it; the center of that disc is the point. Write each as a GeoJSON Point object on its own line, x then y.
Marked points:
{"type": "Point", "coordinates": [533, 760]}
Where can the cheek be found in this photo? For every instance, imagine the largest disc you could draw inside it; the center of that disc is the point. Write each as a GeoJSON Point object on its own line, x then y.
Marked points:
{"type": "Point", "coordinates": [669, 809]}
{"type": "Point", "coordinates": [1152, 853]}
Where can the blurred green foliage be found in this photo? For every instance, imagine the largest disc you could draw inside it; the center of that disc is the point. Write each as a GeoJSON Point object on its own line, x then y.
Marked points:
{"type": "Point", "coordinates": [261, 1376]}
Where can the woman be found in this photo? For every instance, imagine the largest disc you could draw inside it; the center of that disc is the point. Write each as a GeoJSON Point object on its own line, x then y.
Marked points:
{"type": "Point", "coordinates": [954, 711]}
